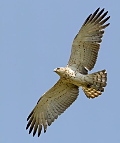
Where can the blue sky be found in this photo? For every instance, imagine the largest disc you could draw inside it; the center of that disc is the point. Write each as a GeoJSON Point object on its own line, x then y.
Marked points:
{"type": "Point", "coordinates": [35, 38]}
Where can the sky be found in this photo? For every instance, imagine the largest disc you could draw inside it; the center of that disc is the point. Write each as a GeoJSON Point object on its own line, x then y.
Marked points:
{"type": "Point", "coordinates": [35, 38]}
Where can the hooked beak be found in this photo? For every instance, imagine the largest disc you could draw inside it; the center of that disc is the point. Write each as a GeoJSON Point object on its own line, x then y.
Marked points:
{"type": "Point", "coordinates": [55, 70]}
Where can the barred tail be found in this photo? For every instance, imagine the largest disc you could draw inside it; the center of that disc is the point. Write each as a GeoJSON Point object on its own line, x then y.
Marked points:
{"type": "Point", "coordinates": [96, 83]}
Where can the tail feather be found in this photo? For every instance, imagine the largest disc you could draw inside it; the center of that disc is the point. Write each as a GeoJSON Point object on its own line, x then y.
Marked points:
{"type": "Point", "coordinates": [91, 92]}
{"type": "Point", "coordinates": [96, 83]}
{"type": "Point", "coordinates": [100, 78]}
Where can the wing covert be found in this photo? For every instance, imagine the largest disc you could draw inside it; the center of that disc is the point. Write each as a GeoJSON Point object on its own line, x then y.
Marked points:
{"type": "Point", "coordinates": [54, 102]}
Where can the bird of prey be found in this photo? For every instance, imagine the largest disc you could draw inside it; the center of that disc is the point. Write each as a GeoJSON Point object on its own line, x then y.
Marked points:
{"type": "Point", "coordinates": [83, 57]}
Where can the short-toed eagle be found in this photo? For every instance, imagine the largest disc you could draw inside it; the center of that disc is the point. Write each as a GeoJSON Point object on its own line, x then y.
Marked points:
{"type": "Point", "coordinates": [83, 57]}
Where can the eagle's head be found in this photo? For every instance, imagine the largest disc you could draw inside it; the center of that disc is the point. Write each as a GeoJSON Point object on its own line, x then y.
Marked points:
{"type": "Point", "coordinates": [60, 71]}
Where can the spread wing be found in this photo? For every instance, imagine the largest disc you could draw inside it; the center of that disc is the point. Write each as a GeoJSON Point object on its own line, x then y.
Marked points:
{"type": "Point", "coordinates": [54, 102]}
{"type": "Point", "coordinates": [86, 45]}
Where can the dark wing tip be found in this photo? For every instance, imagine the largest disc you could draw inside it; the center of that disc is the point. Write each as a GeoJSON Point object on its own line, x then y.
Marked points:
{"type": "Point", "coordinates": [102, 9]}
{"type": "Point", "coordinates": [108, 17]}
{"type": "Point", "coordinates": [39, 130]}
{"type": "Point", "coordinates": [29, 115]}
{"type": "Point", "coordinates": [86, 20]}
{"type": "Point", "coordinates": [35, 129]}
{"type": "Point", "coordinates": [30, 130]}
{"type": "Point", "coordinates": [34, 133]}
{"type": "Point", "coordinates": [32, 126]}
{"type": "Point", "coordinates": [107, 24]}
{"type": "Point", "coordinates": [91, 16]}
{"type": "Point", "coordinates": [26, 127]}
{"type": "Point", "coordinates": [29, 123]}
{"type": "Point", "coordinates": [38, 127]}
{"type": "Point", "coordinates": [98, 10]}
{"type": "Point", "coordinates": [97, 16]}
{"type": "Point", "coordinates": [105, 13]}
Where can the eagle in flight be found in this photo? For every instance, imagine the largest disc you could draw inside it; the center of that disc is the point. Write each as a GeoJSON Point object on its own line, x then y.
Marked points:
{"type": "Point", "coordinates": [83, 57]}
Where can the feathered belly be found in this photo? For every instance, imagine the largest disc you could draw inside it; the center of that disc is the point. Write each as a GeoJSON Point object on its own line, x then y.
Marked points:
{"type": "Point", "coordinates": [76, 79]}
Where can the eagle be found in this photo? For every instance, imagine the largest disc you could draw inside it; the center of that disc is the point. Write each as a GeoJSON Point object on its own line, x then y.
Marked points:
{"type": "Point", "coordinates": [83, 57]}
